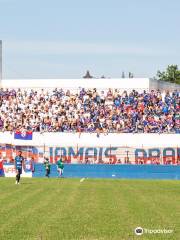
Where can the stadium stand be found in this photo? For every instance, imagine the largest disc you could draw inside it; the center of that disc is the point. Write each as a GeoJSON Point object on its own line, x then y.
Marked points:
{"type": "Point", "coordinates": [89, 110]}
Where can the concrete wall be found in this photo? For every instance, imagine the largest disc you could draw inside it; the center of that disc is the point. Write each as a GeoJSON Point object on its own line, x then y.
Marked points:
{"type": "Point", "coordinates": [113, 171]}
{"type": "Point", "coordinates": [103, 171]}
{"type": "Point", "coordinates": [121, 83]}
{"type": "Point", "coordinates": [163, 86]}
{"type": "Point", "coordinates": [91, 140]}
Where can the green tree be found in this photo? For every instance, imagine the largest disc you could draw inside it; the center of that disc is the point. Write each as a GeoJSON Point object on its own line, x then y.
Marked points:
{"type": "Point", "coordinates": [171, 74]}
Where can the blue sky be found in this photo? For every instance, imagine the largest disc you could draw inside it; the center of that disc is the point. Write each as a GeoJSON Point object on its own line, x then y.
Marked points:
{"type": "Point", "coordinates": [63, 38]}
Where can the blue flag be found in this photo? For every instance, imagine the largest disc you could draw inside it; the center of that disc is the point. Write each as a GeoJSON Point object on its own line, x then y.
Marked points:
{"type": "Point", "coordinates": [23, 135]}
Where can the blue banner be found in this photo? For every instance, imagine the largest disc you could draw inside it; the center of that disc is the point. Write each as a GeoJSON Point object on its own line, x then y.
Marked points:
{"type": "Point", "coordinates": [23, 135]}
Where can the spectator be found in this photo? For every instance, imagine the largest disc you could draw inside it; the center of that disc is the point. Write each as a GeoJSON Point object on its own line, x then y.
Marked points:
{"type": "Point", "coordinates": [89, 110]}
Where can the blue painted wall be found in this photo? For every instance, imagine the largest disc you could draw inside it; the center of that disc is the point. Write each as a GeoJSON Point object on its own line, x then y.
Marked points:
{"type": "Point", "coordinates": [113, 171]}
{"type": "Point", "coordinates": [1, 173]}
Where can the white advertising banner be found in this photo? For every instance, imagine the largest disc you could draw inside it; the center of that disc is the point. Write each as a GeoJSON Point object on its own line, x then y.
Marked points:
{"type": "Point", "coordinates": [9, 171]}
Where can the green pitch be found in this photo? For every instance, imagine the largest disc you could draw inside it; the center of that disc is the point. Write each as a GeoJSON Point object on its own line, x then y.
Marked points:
{"type": "Point", "coordinates": [67, 209]}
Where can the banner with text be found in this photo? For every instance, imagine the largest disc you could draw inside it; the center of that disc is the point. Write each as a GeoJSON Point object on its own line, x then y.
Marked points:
{"type": "Point", "coordinates": [94, 155]}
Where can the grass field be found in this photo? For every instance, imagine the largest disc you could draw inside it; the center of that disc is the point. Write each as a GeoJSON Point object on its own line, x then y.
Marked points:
{"type": "Point", "coordinates": [67, 209]}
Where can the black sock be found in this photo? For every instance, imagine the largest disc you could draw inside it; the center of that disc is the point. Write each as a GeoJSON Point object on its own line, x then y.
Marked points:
{"type": "Point", "coordinates": [19, 177]}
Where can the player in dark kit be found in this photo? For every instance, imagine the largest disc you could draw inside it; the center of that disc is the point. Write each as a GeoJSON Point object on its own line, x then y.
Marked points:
{"type": "Point", "coordinates": [47, 166]}
{"type": "Point", "coordinates": [19, 164]}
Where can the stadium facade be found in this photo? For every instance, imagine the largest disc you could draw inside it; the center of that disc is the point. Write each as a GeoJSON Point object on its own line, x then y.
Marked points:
{"type": "Point", "coordinates": [128, 84]}
{"type": "Point", "coordinates": [87, 147]}
{"type": "Point", "coordinates": [93, 148]}
{"type": "Point", "coordinates": [120, 83]}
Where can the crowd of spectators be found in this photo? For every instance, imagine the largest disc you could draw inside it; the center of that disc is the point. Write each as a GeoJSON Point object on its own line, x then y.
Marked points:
{"type": "Point", "coordinates": [89, 110]}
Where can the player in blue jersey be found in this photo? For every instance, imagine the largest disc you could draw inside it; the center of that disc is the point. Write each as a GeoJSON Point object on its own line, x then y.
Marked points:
{"type": "Point", "coordinates": [19, 164]}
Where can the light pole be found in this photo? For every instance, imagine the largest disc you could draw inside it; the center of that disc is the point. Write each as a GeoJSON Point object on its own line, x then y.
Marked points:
{"type": "Point", "coordinates": [0, 60]}
{"type": "Point", "coordinates": [127, 156]}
